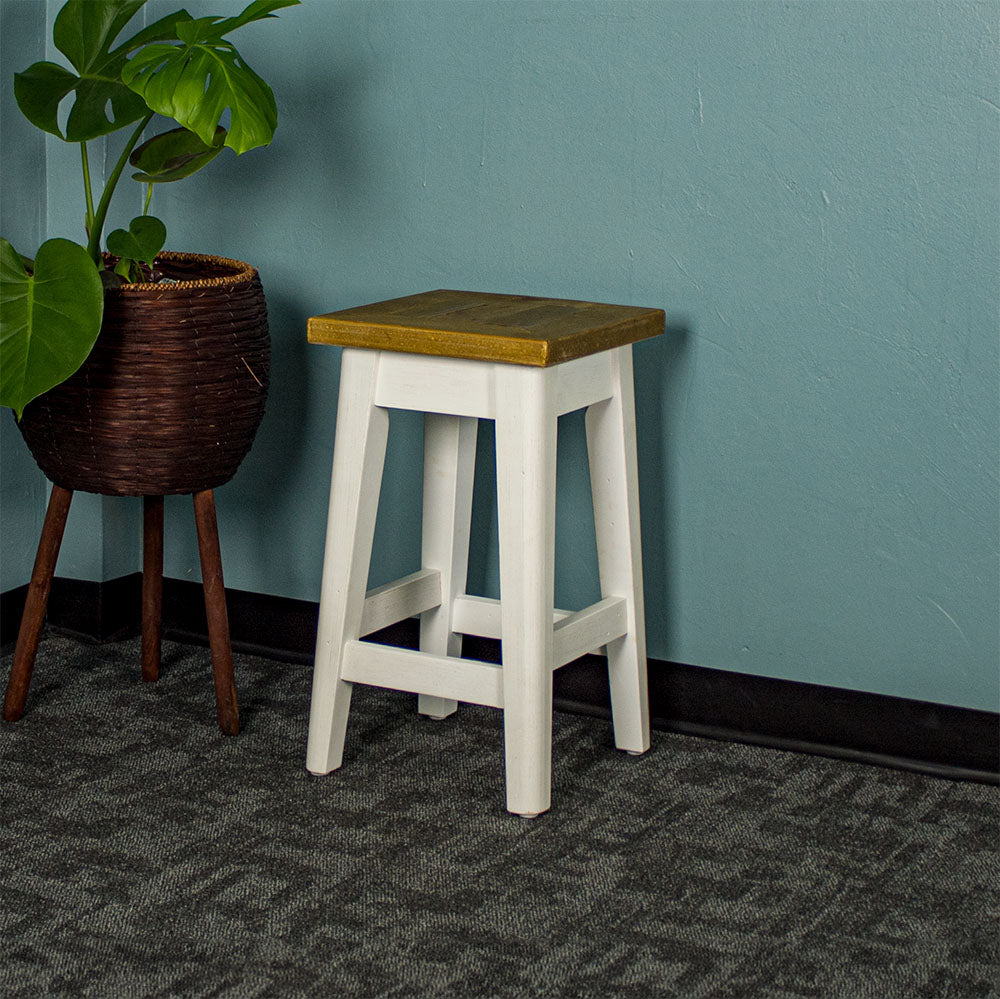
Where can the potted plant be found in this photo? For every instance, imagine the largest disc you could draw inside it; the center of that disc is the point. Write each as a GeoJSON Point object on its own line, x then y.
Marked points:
{"type": "Point", "coordinates": [132, 371]}
{"type": "Point", "coordinates": [52, 306]}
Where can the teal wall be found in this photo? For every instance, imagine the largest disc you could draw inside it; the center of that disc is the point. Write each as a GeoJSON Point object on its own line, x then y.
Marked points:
{"type": "Point", "coordinates": [22, 221]}
{"type": "Point", "coordinates": [42, 197]}
{"type": "Point", "coordinates": [811, 192]}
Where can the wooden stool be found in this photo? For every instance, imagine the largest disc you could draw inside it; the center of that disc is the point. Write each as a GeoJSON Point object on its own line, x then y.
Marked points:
{"type": "Point", "coordinates": [522, 362]}
{"type": "Point", "coordinates": [33, 616]}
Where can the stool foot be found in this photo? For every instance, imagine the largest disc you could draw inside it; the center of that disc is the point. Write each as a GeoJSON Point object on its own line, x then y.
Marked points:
{"type": "Point", "coordinates": [152, 586]}
{"type": "Point", "coordinates": [33, 616]}
{"type": "Point", "coordinates": [215, 611]}
{"type": "Point", "coordinates": [433, 713]}
{"type": "Point", "coordinates": [636, 752]}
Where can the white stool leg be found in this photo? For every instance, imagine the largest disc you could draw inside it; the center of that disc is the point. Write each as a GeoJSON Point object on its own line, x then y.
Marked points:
{"type": "Point", "coordinates": [615, 487]}
{"type": "Point", "coordinates": [358, 458]}
{"type": "Point", "coordinates": [526, 505]}
{"type": "Point", "coordinates": [449, 470]}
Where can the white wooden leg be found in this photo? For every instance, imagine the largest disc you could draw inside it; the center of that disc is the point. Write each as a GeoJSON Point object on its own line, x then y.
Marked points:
{"type": "Point", "coordinates": [358, 457]}
{"type": "Point", "coordinates": [449, 470]}
{"type": "Point", "coordinates": [615, 487]}
{"type": "Point", "coordinates": [526, 504]}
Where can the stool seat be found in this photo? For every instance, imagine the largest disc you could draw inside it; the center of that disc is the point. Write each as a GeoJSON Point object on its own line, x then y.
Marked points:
{"type": "Point", "coordinates": [522, 362]}
{"type": "Point", "coordinates": [513, 329]}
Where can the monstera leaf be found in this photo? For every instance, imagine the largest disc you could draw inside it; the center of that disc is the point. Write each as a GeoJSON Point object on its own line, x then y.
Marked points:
{"type": "Point", "coordinates": [51, 308]}
{"type": "Point", "coordinates": [174, 155]}
{"type": "Point", "coordinates": [49, 318]}
{"type": "Point", "coordinates": [196, 81]}
{"type": "Point", "coordinates": [84, 32]}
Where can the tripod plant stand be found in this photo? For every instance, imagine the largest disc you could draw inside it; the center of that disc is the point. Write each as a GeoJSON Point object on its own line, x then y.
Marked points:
{"type": "Point", "coordinates": [167, 403]}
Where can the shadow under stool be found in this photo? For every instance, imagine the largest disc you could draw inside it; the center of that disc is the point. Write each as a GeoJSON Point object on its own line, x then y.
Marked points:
{"type": "Point", "coordinates": [522, 362]}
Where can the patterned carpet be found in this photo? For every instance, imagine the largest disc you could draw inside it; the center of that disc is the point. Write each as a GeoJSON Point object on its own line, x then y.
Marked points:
{"type": "Point", "coordinates": [143, 854]}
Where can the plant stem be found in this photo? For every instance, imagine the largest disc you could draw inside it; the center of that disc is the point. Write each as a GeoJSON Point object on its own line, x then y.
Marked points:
{"type": "Point", "coordinates": [89, 223]}
{"type": "Point", "coordinates": [94, 245]}
{"type": "Point", "coordinates": [149, 198]}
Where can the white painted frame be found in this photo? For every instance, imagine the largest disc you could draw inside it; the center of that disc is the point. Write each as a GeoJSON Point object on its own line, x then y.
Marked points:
{"type": "Point", "coordinates": [525, 403]}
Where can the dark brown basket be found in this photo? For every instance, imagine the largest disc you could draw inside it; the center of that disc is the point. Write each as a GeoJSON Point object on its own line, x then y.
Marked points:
{"type": "Point", "coordinates": [171, 396]}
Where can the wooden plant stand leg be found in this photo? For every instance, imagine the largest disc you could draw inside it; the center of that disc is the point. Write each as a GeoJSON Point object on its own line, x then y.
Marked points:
{"type": "Point", "coordinates": [152, 586]}
{"type": "Point", "coordinates": [215, 610]}
{"type": "Point", "coordinates": [34, 606]}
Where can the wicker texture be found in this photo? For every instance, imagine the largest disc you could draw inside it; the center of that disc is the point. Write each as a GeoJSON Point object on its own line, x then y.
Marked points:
{"type": "Point", "coordinates": [171, 396]}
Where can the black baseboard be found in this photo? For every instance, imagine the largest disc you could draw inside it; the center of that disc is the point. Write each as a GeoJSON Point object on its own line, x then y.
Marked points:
{"type": "Point", "coordinates": [937, 739]}
{"type": "Point", "coordinates": [96, 612]}
{"type": "Point", "coordinates": [101, 612]}
{"type": "Point", "coordinates": [11, 606]}
{"type": "Point", "coordinates": [259, 624]}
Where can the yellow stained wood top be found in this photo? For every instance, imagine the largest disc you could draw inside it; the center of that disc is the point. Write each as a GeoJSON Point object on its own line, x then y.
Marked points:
{"type": "Point", "coordinates": [516, 329]}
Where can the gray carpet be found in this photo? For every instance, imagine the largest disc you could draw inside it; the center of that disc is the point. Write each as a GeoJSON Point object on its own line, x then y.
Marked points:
{"type": "Point", "coordinates": [143, 854]}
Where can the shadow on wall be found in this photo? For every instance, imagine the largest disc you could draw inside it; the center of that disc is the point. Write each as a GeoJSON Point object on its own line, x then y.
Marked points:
{"type": "Point", "coordinates": [660, 373]}
{"type": "Point", "coordinates": [278, 452]}
{"type": "Point", "coordinates": [310, 186]}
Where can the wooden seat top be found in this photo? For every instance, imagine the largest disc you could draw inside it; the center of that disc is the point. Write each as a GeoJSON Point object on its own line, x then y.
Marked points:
{"type": "Point", "coordinates": [516, 329]}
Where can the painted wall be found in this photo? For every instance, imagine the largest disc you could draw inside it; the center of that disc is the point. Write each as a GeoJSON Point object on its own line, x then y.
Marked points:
{"type": "Point", "coordinates": [42, 197]}
{"type": "Point", "coordinates": [22, 221]}
{"type": "Point", "coordinates": [809, 190]}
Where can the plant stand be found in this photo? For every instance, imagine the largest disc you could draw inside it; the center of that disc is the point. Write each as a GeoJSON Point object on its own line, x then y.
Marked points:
{"type": "Point", "coordinates": [152, 601]}
{"type": "Point", "coordinates": [167, 403]}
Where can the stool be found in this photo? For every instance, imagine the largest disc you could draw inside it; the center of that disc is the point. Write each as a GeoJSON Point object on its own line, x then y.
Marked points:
{"type": "Point", "coordinates": [459, 357]}
{"type": "Point", "coordinates": [37, 600]}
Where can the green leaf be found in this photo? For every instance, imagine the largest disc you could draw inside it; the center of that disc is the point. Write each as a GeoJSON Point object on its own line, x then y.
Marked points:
{"type": "Point", "coordinates": [142, 241]}
{"type": "Point", "coordinates": [83, 31]}
{"type": "Point", "coordinates": [174, 155]}
{"type": "Point", "coordinates": [163, 30]}
{"type": "Point", "coordinates": [124, 269]}
{"type": "Point", "coordinates": [49, 320]}
{"type": "Point", "coordinates": [88, 118]}
{"type": "Point", "coordinates": [41, 88]}
{"type": "Point", "coordinates": [257, 11]}
{"type": "Point", "coordinates": [195, 82]}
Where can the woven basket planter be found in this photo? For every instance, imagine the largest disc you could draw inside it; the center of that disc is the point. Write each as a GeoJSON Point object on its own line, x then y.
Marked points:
{"type": "Point", "coordinates": [171, 396]}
